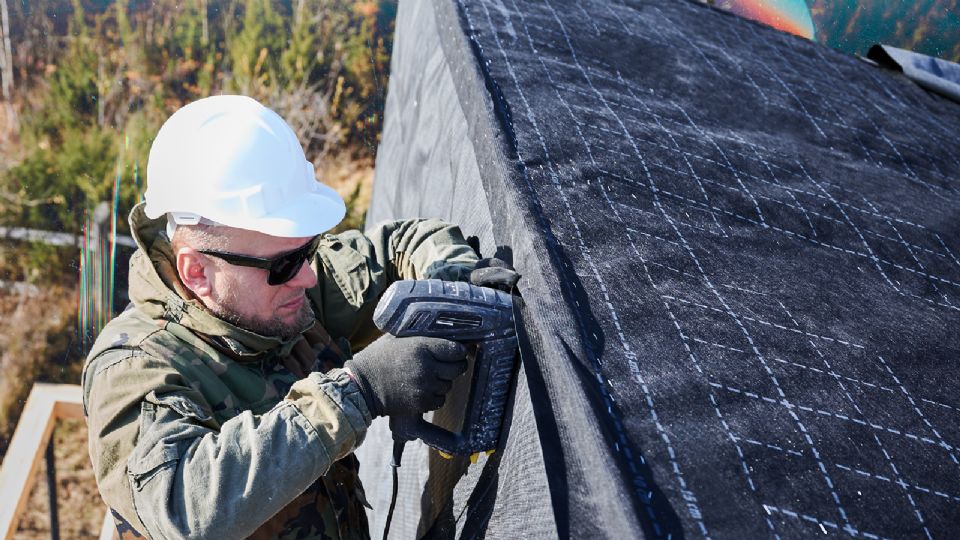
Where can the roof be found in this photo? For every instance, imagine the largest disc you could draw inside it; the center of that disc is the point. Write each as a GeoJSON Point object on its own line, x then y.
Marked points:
{"type": "Point", "coordinates": [741, 262]}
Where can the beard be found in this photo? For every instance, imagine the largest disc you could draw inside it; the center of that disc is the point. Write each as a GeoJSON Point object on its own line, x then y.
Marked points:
{"type": "Point", "coordinates": [272, 327]}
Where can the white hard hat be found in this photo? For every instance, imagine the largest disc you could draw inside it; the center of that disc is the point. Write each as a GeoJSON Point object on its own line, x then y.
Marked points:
{"type": "Point", "coordinates": [232, 161]}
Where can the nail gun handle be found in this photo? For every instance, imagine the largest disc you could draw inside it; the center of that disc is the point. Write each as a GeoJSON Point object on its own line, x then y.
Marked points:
{"type": "Point", "coordinates": [494, 362]}
{"type": "Point", "coordinates": [471, 315]}
{"type": "Point", "coordinates": [408, 428]}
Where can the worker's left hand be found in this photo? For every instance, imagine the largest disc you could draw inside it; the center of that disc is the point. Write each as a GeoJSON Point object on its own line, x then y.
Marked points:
{"type": "Point", "coordinates": [494, 273]}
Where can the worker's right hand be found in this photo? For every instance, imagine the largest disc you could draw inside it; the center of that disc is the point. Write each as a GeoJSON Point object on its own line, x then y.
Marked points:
{"type": "Point", "coordinates": [407, 376]}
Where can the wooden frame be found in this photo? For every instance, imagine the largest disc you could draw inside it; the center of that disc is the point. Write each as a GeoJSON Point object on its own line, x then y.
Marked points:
{"type": "Point", "coordinates": [47, 404]}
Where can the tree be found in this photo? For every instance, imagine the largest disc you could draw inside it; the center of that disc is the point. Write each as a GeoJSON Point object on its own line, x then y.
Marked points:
{"type": "Point", "coordinates": [6, 68]}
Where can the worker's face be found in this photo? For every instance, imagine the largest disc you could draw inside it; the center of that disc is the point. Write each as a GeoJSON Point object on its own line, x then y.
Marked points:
{"type": "Point", "coordinates": [241, 294]}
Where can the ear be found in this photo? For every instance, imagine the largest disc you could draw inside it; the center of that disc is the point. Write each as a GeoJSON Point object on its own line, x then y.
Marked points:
{"type": "Point", "coordinates": [193, 270]}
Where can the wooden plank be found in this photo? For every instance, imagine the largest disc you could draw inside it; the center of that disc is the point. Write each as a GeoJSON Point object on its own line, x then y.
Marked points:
{"type": "Point", "coordinates": [44, 406]}
{"type": "Point", "coordinates": [70, 410]}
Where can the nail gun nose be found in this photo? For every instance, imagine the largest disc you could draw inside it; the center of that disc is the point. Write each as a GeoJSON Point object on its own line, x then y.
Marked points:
{"type": "Point", "coordinates": [473, 457]}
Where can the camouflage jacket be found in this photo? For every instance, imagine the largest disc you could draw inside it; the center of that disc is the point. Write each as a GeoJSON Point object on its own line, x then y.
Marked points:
{"type": "Point", "coordinates": [201, 429]}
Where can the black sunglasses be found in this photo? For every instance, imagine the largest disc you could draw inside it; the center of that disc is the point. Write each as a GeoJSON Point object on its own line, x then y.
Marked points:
{"type": "Point", "coordinates": [282, 268]}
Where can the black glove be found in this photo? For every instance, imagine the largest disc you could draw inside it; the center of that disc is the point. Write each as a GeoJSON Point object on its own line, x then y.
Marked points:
{"type": "Point", "coordinates": [494, 273]}
{"type": "Point", "coordinates": [407, 376]}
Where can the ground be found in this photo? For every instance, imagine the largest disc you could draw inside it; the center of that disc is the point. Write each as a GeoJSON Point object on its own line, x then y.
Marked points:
{"type": "Point", "coordinates": [81, 510]}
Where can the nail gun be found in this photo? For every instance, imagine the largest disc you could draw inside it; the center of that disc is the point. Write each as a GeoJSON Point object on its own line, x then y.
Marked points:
{"type": "Point", "coordinates": [479, 317]}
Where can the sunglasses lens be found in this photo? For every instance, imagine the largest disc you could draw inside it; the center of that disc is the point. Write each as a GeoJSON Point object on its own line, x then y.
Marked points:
{"type": "Point", "coordinates": [287, 266]}
{"type": "Point", "coordinates": [283, 270]}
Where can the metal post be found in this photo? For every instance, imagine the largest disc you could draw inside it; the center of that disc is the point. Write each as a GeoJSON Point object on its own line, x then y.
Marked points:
{"type": "Point", "coordinates": [52, 491]}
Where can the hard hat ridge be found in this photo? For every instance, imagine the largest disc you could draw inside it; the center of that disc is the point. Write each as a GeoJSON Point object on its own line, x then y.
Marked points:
{"type": "Point", "coordinates": [231, 160]}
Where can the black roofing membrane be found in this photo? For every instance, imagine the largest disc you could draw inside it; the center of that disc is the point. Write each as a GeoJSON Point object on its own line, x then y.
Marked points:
{"type": "Point", "coordinates": [741, 259]}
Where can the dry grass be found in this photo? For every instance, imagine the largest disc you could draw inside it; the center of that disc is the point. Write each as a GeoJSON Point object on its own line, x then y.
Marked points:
{"type": "Point", "coordinates": [37, 343]}
{"type": "Point", "coordinates": [353, 180]}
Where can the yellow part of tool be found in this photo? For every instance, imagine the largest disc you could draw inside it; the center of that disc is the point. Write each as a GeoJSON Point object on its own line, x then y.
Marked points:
{"type": "Point", "coordinates": [473, 458]}
{"type": "Point", "coordinates": [444, 455]}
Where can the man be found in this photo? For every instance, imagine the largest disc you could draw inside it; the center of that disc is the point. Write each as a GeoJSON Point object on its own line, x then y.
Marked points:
{"type": "Point", "coordinates": [224, 402]}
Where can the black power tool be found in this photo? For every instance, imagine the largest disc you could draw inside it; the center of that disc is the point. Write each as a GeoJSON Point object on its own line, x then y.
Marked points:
{"type": "Point", "coordinates": [479, 317]}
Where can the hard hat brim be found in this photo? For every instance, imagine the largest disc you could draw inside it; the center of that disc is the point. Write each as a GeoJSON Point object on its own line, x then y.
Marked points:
{"type": "Point", "coordinates": [309, 215]}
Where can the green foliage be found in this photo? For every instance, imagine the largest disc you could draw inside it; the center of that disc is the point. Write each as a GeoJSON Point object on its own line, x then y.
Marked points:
{"type": "Point", "coordinates": [73, 93]}
{"type": "Point", "coordinates": [255, 49]}
{"type": "Point", "coordinates": [96, 80]}
{"type": "Point", "coordinates": [321, 64]}
{"type": "Point", "coordinates": [63, 181]}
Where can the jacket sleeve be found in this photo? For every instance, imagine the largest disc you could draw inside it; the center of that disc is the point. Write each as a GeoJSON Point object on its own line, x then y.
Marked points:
{"type": "Point", "coordinates": [355, 269]}
{"type": "Point", "coordinates": [169, 469]}
{"type": "Point", "coordinates": [420, 249]}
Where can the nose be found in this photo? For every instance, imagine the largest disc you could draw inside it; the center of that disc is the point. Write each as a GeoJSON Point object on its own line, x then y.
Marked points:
{"type": "Point", "coordinates": [305, 278]}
